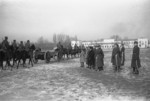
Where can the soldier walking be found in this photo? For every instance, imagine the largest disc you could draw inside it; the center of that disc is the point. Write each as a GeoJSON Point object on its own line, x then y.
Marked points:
{"type": "Point", "coordinates": [135, 63]}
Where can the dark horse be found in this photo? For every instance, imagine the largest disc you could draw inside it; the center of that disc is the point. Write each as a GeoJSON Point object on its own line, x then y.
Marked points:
{"type": "Point", "coordinates": [69, 52]}
{"type": "Point", "coordinates": [24, 55]}
{"type": "Point", "coordinates": [5, 55]}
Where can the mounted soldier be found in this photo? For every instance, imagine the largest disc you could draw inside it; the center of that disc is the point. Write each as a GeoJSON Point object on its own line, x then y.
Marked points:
{"type": "Point", "coordinates": [27, 46]}
{"type": "Point", "coordinates": [21, 46]}
{"type": "Point", "coordinates": [14, 44]}
{"type": "Point", "coordinates": [5, 47]}
{"type": "Point", "coordinates": [60, 50]}
{"type": "Point", "coordinates": [135, 63]}
{"type": "Point", "coordinates": [14, 51]}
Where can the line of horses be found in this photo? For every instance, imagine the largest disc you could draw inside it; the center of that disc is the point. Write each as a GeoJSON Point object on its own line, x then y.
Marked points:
{"type": "Point", "coordinates": [12, 56]}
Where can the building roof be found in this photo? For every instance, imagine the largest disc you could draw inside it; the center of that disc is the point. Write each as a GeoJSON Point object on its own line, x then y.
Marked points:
{"type": "Point", "coordinates": [127, 40]}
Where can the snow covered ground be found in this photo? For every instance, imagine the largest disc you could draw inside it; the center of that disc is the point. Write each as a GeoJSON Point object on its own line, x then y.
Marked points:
{"type": "Point", "coordinates": [67, 81]}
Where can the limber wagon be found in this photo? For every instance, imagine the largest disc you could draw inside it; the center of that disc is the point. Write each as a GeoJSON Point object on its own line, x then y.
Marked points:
{"type": "Point", "coordinates": [45, 55]}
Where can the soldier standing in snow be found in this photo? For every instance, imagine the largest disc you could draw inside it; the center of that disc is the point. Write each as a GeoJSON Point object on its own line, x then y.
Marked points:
{"type": "Point", "coordinates": [122, 54]}
{"type": "Point", "coordinates": [116, 57]}
{"type": "Point", "coordinates": [99, 58]}
{"type": "Point", "coordinates": [135, 63]}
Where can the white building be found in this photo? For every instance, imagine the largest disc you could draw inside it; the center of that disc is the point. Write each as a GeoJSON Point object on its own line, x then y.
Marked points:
{"type": "Point", "coordinates": [86, 43]}
{"type": "Point", "coordinates": [78, 43]}
{"type": "Point", "coordinates": [143, 42]}
{"type": "Point", "coordinates": [129, 43]}
{"type": "Point", "coordinates": [108, 43]}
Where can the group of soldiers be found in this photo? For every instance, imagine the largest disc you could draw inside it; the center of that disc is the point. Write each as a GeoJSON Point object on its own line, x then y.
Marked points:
{"type": "Point", "coordinates": [6, 47]}
{"type": "Point", "coordinates": [94, 57]}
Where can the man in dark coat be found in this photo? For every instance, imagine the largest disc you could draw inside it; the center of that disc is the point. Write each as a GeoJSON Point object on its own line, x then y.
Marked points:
{"type": "Point", "coordinates": [99, 58]}
{"type": "Point", "coordinates": [116, 57]}
{"type": "Point", "coordinates": [91, 58]}
{"type": "Point", "coordinates": [60, 51]}
{"type": "Point", "coordinates": [122, 54]}
{"type": "Point", "coordinates": [86, 56]}
{"type": "Point", "coordinates": [135, 63]}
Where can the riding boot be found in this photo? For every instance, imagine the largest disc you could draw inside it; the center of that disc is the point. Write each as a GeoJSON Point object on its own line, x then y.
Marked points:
{"type": "Point", "coordinates": [1, 64]}
{"type": "Point", "coordinates": [133, 69]}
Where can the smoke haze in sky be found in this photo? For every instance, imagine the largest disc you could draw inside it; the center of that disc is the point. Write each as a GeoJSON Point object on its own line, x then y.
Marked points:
{"type": "Point", "coordinates": [88, 19]}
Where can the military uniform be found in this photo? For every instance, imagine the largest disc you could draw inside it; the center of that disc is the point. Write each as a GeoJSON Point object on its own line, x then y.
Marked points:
{"type": "Point", "coordinates": [91, 58]}
{"type": "Point", "coordinates": [5, 47]}
{"type": "Point", "coordinates": [60, 53]}
{"type": "Point", "coordinates": [82, 58]}
{"type": "Point", "coordinates": [99, 56]}
{"type": "Point", "coordinates": [21, 47]}
{"type": "Point", "coordinates": [135, 63]}
{"type": "Point", "coordinates": [116, 58]}
{"type": "Point", "coordinates": [122, 56]}
{"type": "Point", "coordinates": [14, 44]}
{"type": "Point", "coordinates": [27, 46]}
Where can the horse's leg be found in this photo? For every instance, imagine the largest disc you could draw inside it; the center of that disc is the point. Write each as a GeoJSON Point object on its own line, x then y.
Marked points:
{"type": "Point", "coordinates": [18, 63]}
{"type": "Point", "coordinates": [13, 61]}
{"type": "Point", "coordinates": [24, 62]}
{"type": "Point", "coordinates": [30, 60]}
{"type": "Point", "coordinates": [1, 64]}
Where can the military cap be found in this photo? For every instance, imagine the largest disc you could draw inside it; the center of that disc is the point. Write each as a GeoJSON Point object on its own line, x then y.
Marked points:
{"type": "Point", "coordinates": [135, 42]}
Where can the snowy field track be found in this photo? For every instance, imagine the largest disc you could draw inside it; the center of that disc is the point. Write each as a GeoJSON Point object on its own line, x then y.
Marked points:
{"type": "Point", "coordinates": [67, 81]}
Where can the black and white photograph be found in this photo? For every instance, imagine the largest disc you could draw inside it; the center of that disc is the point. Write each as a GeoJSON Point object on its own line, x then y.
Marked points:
{"type": "Point", "coordinates": [74, 50]}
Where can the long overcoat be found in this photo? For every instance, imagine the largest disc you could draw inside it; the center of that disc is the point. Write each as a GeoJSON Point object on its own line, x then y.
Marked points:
{"type": "Point", "coordinates": [122, 55]}
{"type": "Point", "coordinates": [135, 57]}
{"type": "Point", "coordinates": [116, 57]}
{"type": "Point", "coordinates": [99, 56]}
{"type": "Point", "coordinates": [91, 58]}
{"type": "Point", "coordinates": [82, 56]}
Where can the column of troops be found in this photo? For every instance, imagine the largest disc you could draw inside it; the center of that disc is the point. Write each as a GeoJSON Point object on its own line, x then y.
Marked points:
{"type": "Point", "coordinates": [6, 47]}
{"type": "Point", "coordinates": [94, 57]}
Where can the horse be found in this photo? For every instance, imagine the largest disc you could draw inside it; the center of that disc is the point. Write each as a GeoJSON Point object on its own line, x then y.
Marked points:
{"type": "Point", "coordinates": [24, 55]}
{"type": "Point", "coordinates": [6, 55]}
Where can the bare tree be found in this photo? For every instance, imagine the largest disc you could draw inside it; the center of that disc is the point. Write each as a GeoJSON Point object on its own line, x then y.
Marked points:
{"type": "Point", "coordinates": [40, 40]}
{"type": "Point", "coordinates": [61, 38]}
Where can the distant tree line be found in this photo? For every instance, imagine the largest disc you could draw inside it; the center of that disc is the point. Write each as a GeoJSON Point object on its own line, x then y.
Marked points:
{"type": "Point", "coordinates": [64, 39]}
{"type": "Point", "coordinates": [45, 44]}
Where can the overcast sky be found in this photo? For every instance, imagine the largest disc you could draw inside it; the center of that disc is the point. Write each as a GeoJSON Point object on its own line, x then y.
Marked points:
{"type": "Point", "coordinates": [88, 19]}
